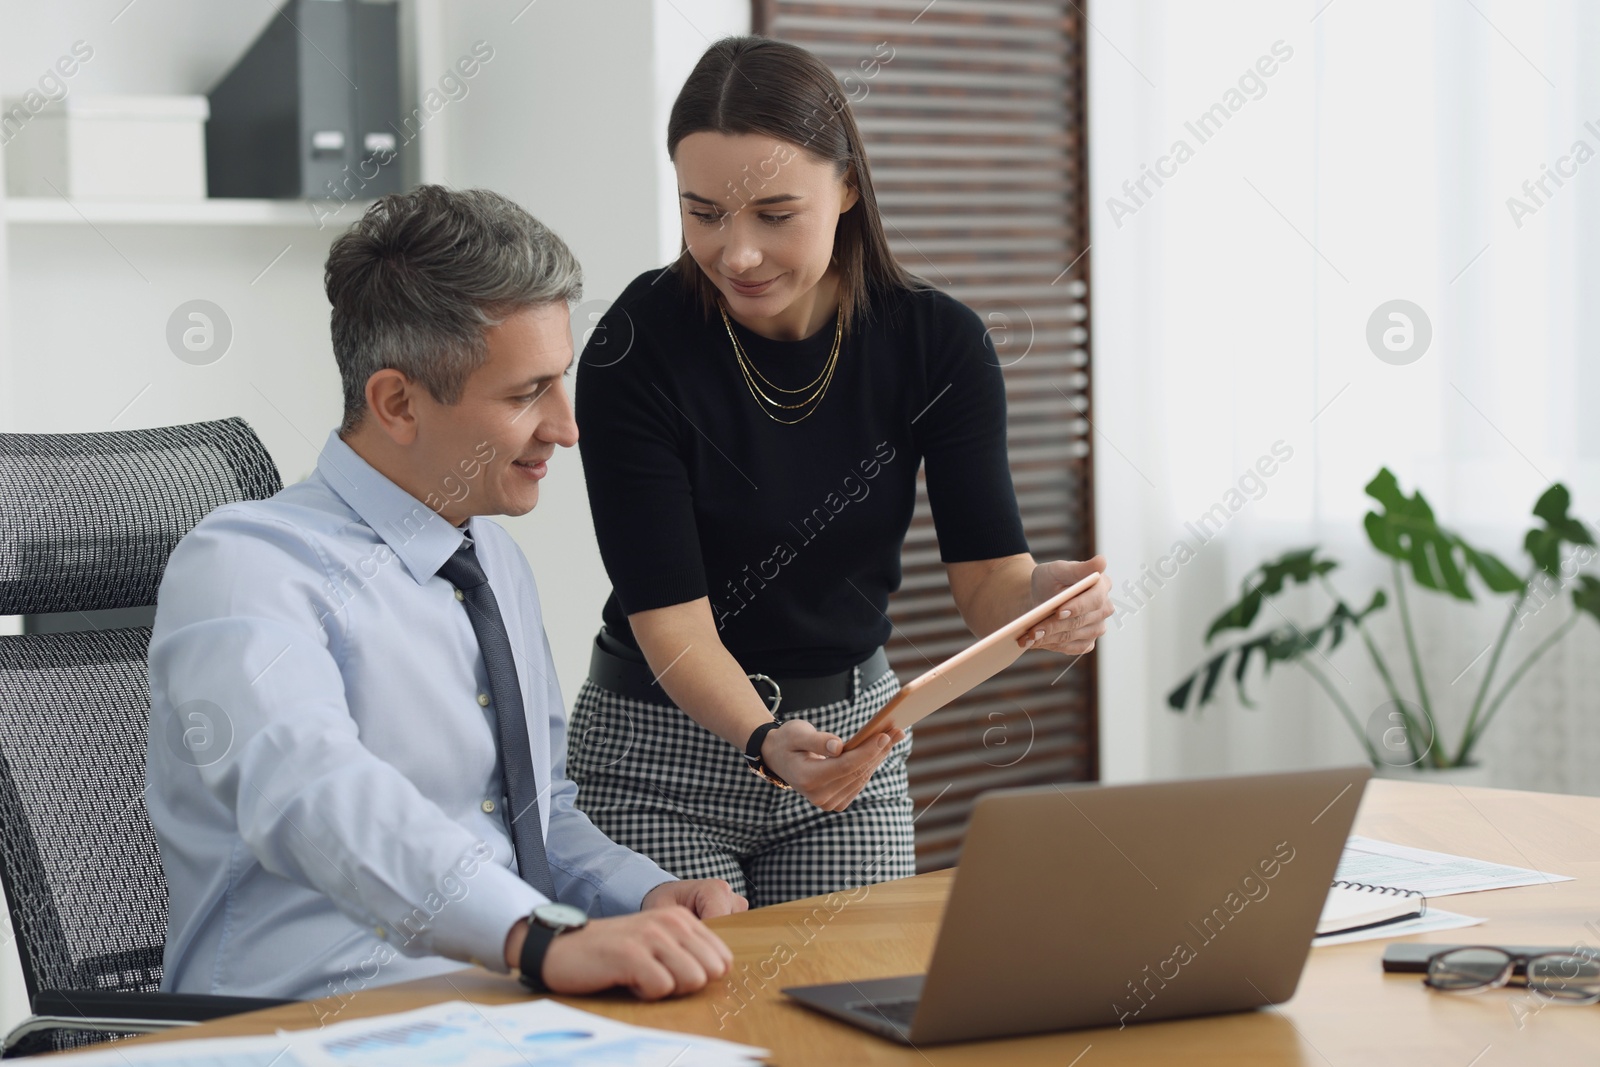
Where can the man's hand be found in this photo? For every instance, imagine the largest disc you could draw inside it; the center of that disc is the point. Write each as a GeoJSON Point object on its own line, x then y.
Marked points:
{"type": "Point", "coordinates": [816, 764]}
{"type": "Point", "coordinates": [654, 953]}
{"type": "Point", "coordinates": [706, 897]}
{"type": "Point", "coordinates": [1082, 619]}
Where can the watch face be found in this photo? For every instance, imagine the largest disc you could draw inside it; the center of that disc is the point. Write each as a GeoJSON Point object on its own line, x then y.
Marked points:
{"type": "Point", "coordinates": [560, 916]}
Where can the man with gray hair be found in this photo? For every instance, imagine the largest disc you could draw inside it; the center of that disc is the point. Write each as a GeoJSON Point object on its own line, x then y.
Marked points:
{"type": "Point", "coordinates": [368, 650]}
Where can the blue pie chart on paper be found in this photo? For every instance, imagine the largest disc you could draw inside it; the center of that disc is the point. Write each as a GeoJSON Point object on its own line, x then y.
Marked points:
{"type": "Point", "coordinates": [555, 1037]}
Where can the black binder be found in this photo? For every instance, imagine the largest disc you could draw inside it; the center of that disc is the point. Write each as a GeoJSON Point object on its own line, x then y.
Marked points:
{"type": "Point", "coordinates": [375, 42]}
{"type": "Point", "coordinates": [309, 110]}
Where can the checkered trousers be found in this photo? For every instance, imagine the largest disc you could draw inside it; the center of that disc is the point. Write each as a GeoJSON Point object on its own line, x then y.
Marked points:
{"type": "Point", "coordinates": [653, 779]}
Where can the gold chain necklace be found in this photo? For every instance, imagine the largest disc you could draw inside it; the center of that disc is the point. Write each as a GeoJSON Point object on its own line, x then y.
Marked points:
{"type": "Point", "coordinates": [754, 379]}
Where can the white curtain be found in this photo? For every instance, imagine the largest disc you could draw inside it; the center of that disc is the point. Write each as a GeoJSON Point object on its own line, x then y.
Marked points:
{"type": "Point", "coordinates": [1316, 161]}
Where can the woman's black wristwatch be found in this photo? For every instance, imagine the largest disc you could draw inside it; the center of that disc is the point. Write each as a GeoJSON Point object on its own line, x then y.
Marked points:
{"type": "Point", "coordinates": [752, 755]}
{"type": "Point", "coordinates": [545, 923]}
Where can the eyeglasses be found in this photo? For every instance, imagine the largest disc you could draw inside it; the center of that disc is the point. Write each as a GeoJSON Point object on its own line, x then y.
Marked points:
{"type": "Point", "coordinates": [1564, 977]}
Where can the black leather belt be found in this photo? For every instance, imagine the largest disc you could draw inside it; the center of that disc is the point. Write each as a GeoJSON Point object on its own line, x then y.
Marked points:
{"type": "Point", "coordinates": [625, 676]}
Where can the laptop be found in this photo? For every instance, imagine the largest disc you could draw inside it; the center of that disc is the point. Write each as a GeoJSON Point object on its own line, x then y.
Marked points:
{"type": "Point", "coordinates": [1091, 905]}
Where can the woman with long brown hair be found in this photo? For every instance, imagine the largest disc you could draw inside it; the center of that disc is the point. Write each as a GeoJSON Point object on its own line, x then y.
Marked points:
{"type": "Point", "coordinates": [751, 420]}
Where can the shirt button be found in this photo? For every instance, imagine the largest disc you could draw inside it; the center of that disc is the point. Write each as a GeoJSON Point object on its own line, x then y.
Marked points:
{"type": "Point", "coordinates": [483, 700]}
{"type": "Point", "coordinates": [460, 595]}
{"type": "Point", "coordinates": [488, 807]}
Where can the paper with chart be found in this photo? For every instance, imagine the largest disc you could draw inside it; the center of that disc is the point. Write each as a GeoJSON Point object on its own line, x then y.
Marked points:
{"type": "Point", "coordinates": [215, 1052]}
{"type": "Point", "coordinates": [1433, 874]}
{"type": "Point", "coordinates": [539, 1033]}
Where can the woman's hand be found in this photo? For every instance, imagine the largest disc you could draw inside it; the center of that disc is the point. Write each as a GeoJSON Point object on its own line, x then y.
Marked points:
{"type": "Point", "coordinates": [701, 676]}
{"type": "Point", "coordinates": [1082, 619]}
{"type": "Point", "coordinates": [818, 767]}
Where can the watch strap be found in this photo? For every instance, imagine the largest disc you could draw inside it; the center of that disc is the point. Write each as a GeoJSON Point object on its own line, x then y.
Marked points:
{"type": "Point", "coordinates": [534, 948]}
{"type": "Point", "coordinates": [753, 758]}
{"type": "Point", "coordinates": [752, 747]}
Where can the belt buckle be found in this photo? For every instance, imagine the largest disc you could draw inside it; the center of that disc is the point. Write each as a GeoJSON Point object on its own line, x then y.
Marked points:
{"type": "Point", "coordinates": [777, 691]}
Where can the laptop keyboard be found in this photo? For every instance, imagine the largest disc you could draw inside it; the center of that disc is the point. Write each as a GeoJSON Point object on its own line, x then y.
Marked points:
{"type": "Point", "coordinates": [896, 1011]}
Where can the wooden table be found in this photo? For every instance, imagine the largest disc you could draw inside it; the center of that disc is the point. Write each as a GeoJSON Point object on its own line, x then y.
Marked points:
{"type": "Point", "coordinates": [1345, 1012]}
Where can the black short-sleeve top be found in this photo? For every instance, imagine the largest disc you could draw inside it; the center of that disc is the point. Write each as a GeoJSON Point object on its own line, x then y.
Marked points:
{"type": "Point", "coordinates": [793, 532]}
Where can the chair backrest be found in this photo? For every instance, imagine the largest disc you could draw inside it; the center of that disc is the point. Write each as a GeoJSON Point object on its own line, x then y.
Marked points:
{"type": "Point", "coordinates": [87, 522]}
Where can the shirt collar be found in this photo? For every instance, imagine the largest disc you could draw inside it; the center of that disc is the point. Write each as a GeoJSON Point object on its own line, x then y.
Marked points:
{"type": "Point", "coordinates": [412, 530]}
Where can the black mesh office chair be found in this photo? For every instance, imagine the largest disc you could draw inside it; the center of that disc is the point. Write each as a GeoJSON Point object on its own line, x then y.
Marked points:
{"type": "Point", "coordinates": [86, 524]}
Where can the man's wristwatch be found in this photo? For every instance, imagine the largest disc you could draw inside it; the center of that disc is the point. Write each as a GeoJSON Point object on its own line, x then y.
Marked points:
{"type": "Point", "coordinates": [545, 924]}
{"type": "Point", "coordinates": [752, 755]}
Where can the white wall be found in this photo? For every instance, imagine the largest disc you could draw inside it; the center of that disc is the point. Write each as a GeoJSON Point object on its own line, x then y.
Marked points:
{"type": "Point", "coordinates": [682, 32]}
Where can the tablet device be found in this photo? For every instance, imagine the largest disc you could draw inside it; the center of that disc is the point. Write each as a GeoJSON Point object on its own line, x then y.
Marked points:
{"type": "Point", "coordinates": [976, 663]}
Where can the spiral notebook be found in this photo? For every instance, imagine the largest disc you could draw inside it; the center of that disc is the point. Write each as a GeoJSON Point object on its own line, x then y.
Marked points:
{"type": "Point", "coordinates": [1358, 906]}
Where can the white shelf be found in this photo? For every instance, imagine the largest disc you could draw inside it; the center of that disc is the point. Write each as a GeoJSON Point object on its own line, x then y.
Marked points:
{"type": "Point", "coordinates": [218, 212]}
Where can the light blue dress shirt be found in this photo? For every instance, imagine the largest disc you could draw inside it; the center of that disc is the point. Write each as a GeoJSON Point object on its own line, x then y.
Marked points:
{"type": "Point", "coordinates": [322, 774]}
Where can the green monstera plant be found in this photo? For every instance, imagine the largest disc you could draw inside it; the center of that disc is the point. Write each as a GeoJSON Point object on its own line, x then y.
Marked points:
{"type": "Point", "coordinates": [1404, 529]}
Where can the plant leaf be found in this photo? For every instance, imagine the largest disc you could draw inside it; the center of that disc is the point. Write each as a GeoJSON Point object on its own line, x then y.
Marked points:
{"type": "Point", "coordinates": [1283, 644]}
{"type": "Point", "coordinates": [1587, 596]}
{"type": "Point", "coordinates": [1406, 531]}
{"type": "Point", "coordinates": [1496, 575]}
{"type": "Point", "coordinates": [1241, 666]}
{"type": "Point", "coordinates": [1287, 644]}
{"type": "Point", "coordinates": [1299, 566]}
{"type": "Point", "coordinates": [1238, 616]}
{"type": "Point", "coordinates": [1213, 672]}
{"type": "Point", "coordinates": [1544, 545]}
{"type": "Point", "coordinates": [1335, 627]}
{"type": "Point", "coordinates": [1552, 508]}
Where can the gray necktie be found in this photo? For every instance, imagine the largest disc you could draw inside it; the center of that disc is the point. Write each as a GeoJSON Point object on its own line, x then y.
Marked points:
{"type": "Point", "coordinates": [463, 571]}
